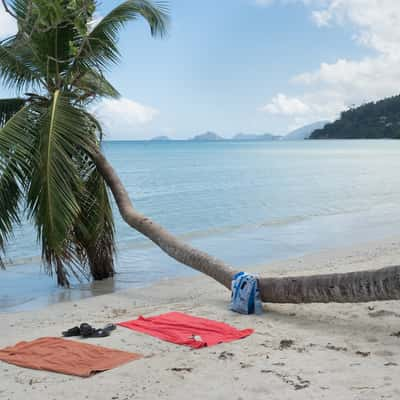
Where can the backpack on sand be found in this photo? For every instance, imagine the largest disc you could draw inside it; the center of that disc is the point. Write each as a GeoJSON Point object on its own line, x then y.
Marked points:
{"type": "Point", "coordinates": [245, 294]}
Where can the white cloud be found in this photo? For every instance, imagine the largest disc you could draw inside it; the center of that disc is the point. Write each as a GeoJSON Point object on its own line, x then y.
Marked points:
{"type": "Point", "coordinates": [334, 86]}
{"type": "Point", "coordinates": [377, 21]}
{"type": "Point", "coordinates": [307, 108]}
{"type": "Point", "coordinates": [7, 24]}
{"type": "Point", "coordinates": [281, 104]}
{"type": "Point", "coordinates": [125, 118]}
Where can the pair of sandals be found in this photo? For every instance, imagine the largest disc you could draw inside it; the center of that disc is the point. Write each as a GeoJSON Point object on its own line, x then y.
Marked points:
{"type": "Point", "coordinates": [87, 331]}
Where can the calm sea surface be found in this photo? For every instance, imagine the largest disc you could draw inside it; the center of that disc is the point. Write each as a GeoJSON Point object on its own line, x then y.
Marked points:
{"type": "Point", "coordinates": [245, 202]}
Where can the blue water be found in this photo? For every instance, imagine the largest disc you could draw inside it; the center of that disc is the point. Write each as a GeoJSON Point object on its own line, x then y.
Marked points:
{"type": "Point", "coordinates": [245, 202]}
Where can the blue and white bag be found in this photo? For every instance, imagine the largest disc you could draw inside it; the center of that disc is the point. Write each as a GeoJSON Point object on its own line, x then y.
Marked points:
{"type": "Point", "coordinates": [245, 294]}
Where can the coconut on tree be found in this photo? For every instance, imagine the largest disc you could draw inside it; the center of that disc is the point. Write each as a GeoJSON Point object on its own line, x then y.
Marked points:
{"type": "Point", "coordinates": [53, 170]}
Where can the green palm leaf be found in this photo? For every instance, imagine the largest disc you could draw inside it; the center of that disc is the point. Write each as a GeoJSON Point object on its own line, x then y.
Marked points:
{"type": "Point", "coordinates": [17, 68]}
{"type": "Point", "coordinates": [19, 7]}
{"type": "Point", "coordinates": [9, 107]}
{"type": "Point", "coordinates": [16, 147]}
{"type": "Point", "coordinates": [55, 182]}
{"type": "Point", "coordinates": [17, 139]}
{"type": "Point", "coordinates": [99, 48]}
{"type": "Point", "coordinates": [95, 84]}
{"type": "Point", "coordinates": [95, 227]}
{"type": "Point", "coordinates": [10, 195]}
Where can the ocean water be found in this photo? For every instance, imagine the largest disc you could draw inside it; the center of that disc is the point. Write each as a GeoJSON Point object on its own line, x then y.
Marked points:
{"type": "Point", "coordinates": [245, 202]}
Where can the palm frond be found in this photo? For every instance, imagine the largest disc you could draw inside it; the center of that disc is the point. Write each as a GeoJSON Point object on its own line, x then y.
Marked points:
{"type": "Point", "coordinates": [16, 146]}
{"type": "Point", "coordinates": [16, 66]}
{"type": "Point", "coordinates": [93, 83]}
{"type": "Point", "coordinates": [99, 48]}
{"type": "Point", "coordinates": [10, 195]}
{"type": "Point", "coordinates": [55, 182]}
{"type": "Point", "coordinates": [20, 8]}
{"type": "Point", "coordinates": [9, 107]}
{"type": "Point", "coordinates": [94, 231]}
{"type": "Point", "coordinates": [17, 138]}
{"type": "Point", "coordinates": [98, 132]}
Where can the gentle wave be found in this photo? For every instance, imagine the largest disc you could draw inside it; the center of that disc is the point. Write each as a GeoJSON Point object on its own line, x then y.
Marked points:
{"type": "Point", "coordinates": [144, 243]}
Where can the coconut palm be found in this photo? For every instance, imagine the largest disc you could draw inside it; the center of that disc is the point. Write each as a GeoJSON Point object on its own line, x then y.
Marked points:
{"type": "Point", "coordinates": [52, 166]}
{"type": "Point", "coordinates": [57, 61]}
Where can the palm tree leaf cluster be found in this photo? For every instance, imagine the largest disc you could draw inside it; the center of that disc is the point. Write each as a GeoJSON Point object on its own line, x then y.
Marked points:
{"type": "Point", "coordinates": [56, 64]}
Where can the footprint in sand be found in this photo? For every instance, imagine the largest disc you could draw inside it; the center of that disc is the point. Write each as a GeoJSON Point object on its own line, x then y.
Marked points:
{"type": "Point", "coordinates": [383, 313]}
{"type": "Point", "coordinates": [226, 355]}
{"type": "Point", "coordinates": [285, 344]}
{"type": "Point", "coordinates": [330, 346]}
{"type": "Point", "coordinates": [181, 369]}
{"type": "Point", "coordinates": [363, 353]}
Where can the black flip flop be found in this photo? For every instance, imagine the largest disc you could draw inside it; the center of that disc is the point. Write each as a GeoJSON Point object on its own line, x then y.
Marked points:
{"type": "Point", "coordinates": [99, 333]}
{"type": "Point", "coordinates": [75, 331]}
{"type": "Point", "coordinates": [110, 327]}
{"type": "Point", "coordinates": [86, 330]}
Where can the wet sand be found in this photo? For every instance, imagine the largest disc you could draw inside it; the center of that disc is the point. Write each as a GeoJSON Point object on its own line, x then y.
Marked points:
{"type": "Point", "coordinates": [330, 351]}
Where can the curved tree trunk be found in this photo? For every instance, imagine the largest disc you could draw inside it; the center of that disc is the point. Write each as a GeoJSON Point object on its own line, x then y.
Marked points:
{"type": "Point", "coordinates": [174, 247]}
{"type": "Point", "coordinates": [363, 286]}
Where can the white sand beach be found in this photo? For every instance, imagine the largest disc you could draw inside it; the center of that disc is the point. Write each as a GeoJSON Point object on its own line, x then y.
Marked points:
{"type": "Point", "coordinates": [330, 351]}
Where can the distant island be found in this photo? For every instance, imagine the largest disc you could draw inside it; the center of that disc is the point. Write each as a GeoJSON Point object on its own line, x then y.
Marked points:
{"type": "Point", "coordinates": [375, 120]}
{"type": "Point", "coordinates": [207, 137]}
{"type": "Point", "coordinates": [298, 134]}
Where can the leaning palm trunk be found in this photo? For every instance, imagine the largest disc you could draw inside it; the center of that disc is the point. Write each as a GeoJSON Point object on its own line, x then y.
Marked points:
{"type": "Point", "coordinates": [352, 287]}
{"type": "Point", "coordinates": [174, 247]}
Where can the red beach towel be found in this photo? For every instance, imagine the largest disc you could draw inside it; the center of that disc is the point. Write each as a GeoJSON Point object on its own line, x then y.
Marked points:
{"type": "Point", "coordinates": [187, 330]}
{"type": "Point", "coordinates": [65, 356]}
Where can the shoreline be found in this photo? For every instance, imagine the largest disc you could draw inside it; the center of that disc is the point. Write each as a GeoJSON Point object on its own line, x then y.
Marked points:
{"type": "Point", "coordinates": [57, 295]}
{"type": "Point", "coordinates": [338, 351]}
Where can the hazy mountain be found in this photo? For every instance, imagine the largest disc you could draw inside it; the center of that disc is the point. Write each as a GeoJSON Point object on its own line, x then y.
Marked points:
{"type": "Point", "coordinates": [208, 136]}
{"type": "Point", "coordinates": [160, 139]}
{"type": "Point", "coordinates": [265, 136]}
{"type": "Point", "coordinates": [305, 131]}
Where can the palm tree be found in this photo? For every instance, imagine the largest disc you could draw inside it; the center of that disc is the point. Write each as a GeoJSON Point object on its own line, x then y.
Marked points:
{"type": "Point", "coordinates": [52, 165]}
{"type": "Point", "coordinates": [48, 135]}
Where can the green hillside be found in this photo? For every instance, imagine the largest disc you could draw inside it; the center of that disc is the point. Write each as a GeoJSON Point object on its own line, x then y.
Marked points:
{"type": "Point", "coordinates": [370, 121]}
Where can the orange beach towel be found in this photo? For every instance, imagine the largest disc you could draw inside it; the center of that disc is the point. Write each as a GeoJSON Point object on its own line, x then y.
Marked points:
{"type": "Point", "coordinates": [65, 356]}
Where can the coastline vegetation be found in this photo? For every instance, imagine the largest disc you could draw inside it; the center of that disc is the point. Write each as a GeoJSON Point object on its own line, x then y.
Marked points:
{"type": "Point", "coordinates": [375, 120]}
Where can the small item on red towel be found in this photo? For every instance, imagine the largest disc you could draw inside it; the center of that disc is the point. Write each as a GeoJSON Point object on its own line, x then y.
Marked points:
{"type": "Point", "coordinates": [187, 330]}
{"type": "Point", "coordinates": [65, 356]}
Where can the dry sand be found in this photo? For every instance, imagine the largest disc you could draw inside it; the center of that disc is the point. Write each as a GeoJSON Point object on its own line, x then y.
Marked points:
{"type": "Point", "coordinates": [297, 351]}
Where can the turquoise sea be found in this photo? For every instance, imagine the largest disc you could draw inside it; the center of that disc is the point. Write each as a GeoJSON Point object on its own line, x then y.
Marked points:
{"type": "Point", "coordinates": [245, 202]}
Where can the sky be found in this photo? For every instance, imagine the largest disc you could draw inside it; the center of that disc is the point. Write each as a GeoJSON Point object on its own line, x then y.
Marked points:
{"type": "Point", "coordinates": [252, 66]}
